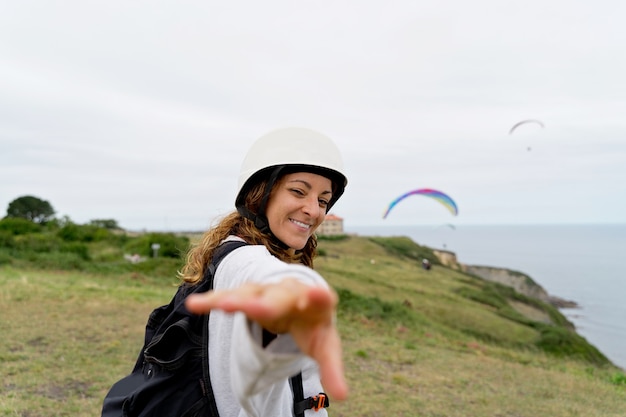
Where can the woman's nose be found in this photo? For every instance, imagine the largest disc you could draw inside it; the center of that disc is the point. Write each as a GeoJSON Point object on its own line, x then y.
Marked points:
{"type": "Point", "coordinates": [312, 207]}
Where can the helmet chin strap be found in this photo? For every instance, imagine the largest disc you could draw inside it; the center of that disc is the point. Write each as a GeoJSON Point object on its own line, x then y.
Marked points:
{"type": "Point", "coordinates": [260, 218]}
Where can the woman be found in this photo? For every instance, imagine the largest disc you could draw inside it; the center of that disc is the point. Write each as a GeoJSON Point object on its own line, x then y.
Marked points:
{"type": "Point", "coordinates": [272, 315]}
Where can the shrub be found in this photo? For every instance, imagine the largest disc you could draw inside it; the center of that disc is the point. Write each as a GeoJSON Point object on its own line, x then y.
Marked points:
{"type": "Point", "coordinates": [332, 238]}
{"type": "Point", "coordinates": [618, 379]}
{"type": "Point", "coordinates": [5, 257]}
{"type": "Point", "coordinates": [170, 245]}
{"type": "Point", "coordinates": [59, 260]}
{"type": "Point", "coordinates": [37, 242]}
{"type": "Point", "coordinates": [72, 232]}
{"type": "Point", "coordinates": [485, 295]}
{"type": "Point", "coordinates": [110, 224]}
{"type": "Point", "coordinates": [77, 248]}
{"type": "Point", "coordinates": [6, 239]}
{"type": "Point", "coordinates": [375, 308]}
{"type": "Point", "coordinates": [565, 343]}
{"type": "Point", "coordinates": [19, 226]}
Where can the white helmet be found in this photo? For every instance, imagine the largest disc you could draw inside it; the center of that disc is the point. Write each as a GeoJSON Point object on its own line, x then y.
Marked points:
{"type": "Point", "coordinates": [292, 148]}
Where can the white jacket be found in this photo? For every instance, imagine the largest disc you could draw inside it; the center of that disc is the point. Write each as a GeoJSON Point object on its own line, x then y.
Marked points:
{"type": "Point", "coordinates": [247, 379]}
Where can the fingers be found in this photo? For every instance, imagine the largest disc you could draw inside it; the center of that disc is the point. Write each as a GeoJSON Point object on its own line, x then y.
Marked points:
{"type": "Point", "coordinates": [323, 344]}
{"type": "Point", "coordinates": [320, 299]}
{"type": "Point", "coordinates": [279, 298]}
{"type": "Point", "coordinates": [227, 300]}
{"type": "Point", "coordinates": [331, 369]}
{"type": "Point", "coordinates": [201, 303]}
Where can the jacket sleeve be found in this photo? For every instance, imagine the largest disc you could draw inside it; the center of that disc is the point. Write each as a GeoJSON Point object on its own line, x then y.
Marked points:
{"type": "Point", "coordinates": [259, 376]}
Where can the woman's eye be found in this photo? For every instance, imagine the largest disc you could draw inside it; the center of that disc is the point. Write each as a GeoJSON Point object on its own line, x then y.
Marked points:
{"type": "Point", "coordinates": [323, 203]}
{"type": "Point", "coordinates": [297, 191]}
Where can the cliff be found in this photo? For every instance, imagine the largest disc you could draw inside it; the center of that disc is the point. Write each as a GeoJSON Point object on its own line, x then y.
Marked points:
{"type": "Point", "coordinates": [519, 281]}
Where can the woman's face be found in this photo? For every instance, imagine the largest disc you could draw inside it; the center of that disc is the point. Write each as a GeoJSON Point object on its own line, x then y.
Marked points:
{"type": "Point", "coordinates": [297, 206]}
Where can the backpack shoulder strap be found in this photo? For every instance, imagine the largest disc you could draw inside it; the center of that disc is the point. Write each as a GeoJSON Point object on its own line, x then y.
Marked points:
{"type": "Point", "coordinates": [207, 284]}
{"type": "Point", "coordinates": [219, 254]}
{"type": "Point", "coordinates": [209, 273]}
{"type": "Point", "coordinates": [298, 394]}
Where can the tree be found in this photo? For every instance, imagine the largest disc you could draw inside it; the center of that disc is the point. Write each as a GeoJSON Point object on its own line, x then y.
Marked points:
{"type": "Point", "coordinates": [110, 224]}
{"type": "Point", "coordinates": [30, 208]}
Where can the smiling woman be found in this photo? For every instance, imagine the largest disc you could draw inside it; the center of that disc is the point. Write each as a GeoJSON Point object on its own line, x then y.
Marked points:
{"type": "Point", "coordinates": [271, 338]}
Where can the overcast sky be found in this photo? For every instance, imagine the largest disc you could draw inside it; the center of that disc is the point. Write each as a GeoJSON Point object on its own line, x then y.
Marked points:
{"type": "Point", "coordinates": [142, 111]}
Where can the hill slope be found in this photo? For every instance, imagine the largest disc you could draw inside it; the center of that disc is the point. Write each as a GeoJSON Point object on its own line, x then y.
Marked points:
{"type": "Point", "coordinates": [440, 342]}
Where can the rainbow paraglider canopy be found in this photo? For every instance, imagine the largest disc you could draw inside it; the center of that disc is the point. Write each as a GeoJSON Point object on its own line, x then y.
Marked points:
{"type": "Point", "coordinates": [437, 195]}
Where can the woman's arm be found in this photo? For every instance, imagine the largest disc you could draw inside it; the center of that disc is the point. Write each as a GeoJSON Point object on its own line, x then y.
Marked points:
{"type": "Point", "coordinates": [288, 306]}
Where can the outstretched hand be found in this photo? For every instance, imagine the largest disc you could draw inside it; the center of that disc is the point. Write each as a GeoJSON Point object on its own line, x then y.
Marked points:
{"type": "Point", "coordinates": [306, 312]}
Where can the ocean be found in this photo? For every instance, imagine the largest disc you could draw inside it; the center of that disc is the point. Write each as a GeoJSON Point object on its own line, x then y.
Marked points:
{"type": "Point", "coordinates": [581, 263]}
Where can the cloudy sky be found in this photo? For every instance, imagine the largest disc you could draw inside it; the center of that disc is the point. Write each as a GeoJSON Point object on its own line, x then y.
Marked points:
{"type": "Point", "coordinates": [142, 111]}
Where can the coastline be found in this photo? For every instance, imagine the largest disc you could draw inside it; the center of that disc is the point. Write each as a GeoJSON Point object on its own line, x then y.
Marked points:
{"type": "Point", "coordinates": [517, 280]}
{"type": "Point", "coordinates": [578, 265]}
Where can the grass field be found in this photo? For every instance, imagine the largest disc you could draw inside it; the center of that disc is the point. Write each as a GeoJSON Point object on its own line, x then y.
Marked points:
{"type": "Point", "coordinates": [416, 343]}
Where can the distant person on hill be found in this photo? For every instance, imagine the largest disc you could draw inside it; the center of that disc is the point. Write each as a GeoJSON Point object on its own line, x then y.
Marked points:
{"type": "Point", "coordinates": [426, 264]}
{"type": "Point", "coordinates": [271, 315]}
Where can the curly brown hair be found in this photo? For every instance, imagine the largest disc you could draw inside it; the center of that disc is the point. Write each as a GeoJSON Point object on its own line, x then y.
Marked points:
{"type": "Point", "coordinates": [200, 254]}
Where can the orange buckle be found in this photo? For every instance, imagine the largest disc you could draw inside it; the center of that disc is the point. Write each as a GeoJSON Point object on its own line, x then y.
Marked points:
{"type": "Point", "coordinates": [319, 402]}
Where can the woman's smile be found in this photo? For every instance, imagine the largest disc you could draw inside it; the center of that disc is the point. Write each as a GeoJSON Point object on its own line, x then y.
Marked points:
{"type": "Point", "coordinates": [301, 224]}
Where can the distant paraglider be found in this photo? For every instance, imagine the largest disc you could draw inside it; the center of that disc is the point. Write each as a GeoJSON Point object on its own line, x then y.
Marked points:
{"type": "Point", "coordinates": [427, 192]}
{"type": "Point", "coordinates": [518, 124]}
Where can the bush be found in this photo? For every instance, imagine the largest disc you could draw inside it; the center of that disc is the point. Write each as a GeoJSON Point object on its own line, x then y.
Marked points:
{"type": "Point", "coordinates": [72, 232]}
{"type": "Point", "coordinates": [110, 224]}
{"type": "Point", "coordinates": [565, 343]}
{"type": "Point", "coordinates": [170, 245]}
{"type": "Point", "coordinates": [5, 257]}
{"type": "Point", "coordinates": [19, 226]}
{"type": "Point", "coordinates": [619, 379]}
{"type": "Point", "coordinates": [484, 295]}
{"type": "Point", "coordinates": [77, 248]}
{"type": "Point", "coordinates": [6, 239]}
{"type": "Point", "coordinates": [374, 308]}
{"type": "Point", "coordinates": [332, 238]}
{"type": "Point", "coordinates": [59, 260]}
{"type": "Point", "coordinates": [36, 242]}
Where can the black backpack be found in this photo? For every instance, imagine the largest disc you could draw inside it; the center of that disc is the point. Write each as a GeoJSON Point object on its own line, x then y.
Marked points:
{"type": "Point", "coordinates": [171, 375]}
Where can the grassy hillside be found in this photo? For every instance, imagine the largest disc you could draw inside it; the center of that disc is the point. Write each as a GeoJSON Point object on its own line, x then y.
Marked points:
{"type": "Point", "coordinates": [416, 342]}
{"type": "Point", "coordinates": [442, 343]}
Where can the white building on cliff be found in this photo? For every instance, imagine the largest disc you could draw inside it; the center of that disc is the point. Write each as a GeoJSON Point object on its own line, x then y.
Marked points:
{"type": "Point", "coordinates": [332, 225]}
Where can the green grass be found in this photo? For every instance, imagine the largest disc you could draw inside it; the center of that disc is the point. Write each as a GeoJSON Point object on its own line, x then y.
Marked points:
{"type": "Point", "coordinates": [416, 342]}
{"type": "Point", "coordinates": [67, 336]}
